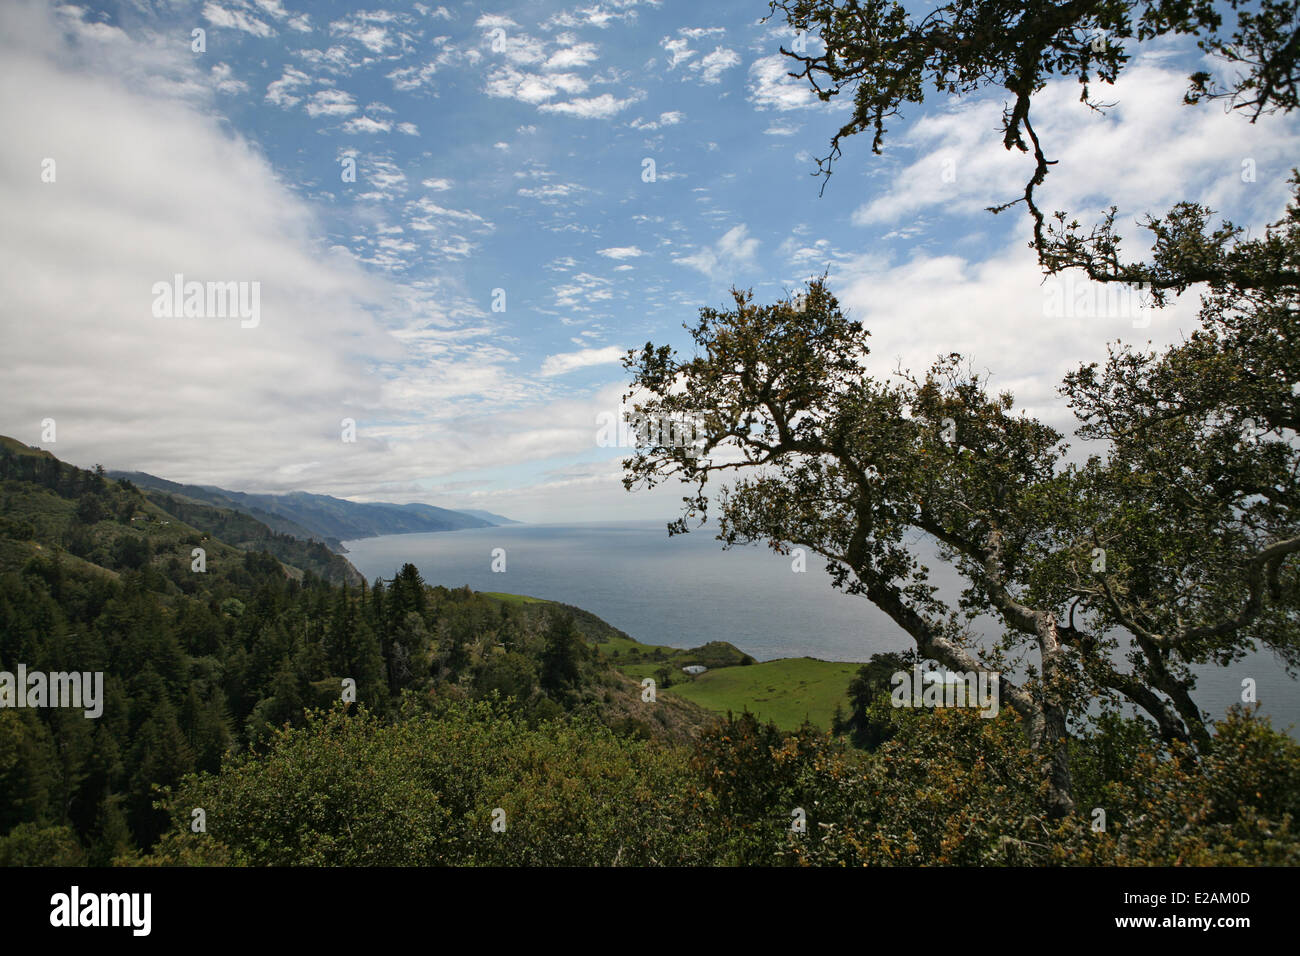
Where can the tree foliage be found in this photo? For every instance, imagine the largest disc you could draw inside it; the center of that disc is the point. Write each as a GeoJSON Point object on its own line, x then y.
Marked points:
{"type": "Point", "coordinates": [885, 57]}
{"type": "Point", "coordinates": [1192, 516]}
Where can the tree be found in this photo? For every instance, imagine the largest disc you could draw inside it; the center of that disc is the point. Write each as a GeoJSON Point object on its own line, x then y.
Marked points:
{"type": "Point", "coordinates": [872, 681]}
{"type": "Point", "coordinates": [510, 674]}
{"type": "Point", "coordinates": [1174, 549]}
{"type": "Point", "coordinates": [90, 509]}
{"type": "Point", "coordinates": [162, 757]}
{"type": "Point", "coordinates": [131, 551]}
{"type": "Point", "coordinates": [886, 57]}
{"type": "Point", "coordinates": [406, 594]}
{"type": "Point", "coordinates": [561, 654]}
{"type": "Point", "coordinates": [853, 469]}
{"type": "Point", "coordinates": [1194, 508]}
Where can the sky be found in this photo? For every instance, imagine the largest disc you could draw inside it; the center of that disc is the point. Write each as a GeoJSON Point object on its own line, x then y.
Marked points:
{"type": "Point", "coordinates": [459, 217]}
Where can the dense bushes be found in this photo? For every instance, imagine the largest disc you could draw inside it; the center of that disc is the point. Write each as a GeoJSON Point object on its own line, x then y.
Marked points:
{"type": "Point", "coordinates": [352, 789]}
{"type": "Point", "coordinates": [948, 788]}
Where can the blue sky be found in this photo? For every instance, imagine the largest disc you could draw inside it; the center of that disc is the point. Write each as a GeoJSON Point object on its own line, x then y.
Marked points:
{"type": "Point", "coordinates": [507, 147]}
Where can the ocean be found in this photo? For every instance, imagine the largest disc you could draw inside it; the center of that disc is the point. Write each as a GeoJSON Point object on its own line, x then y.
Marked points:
{"type": "Point", "coordinates": [685, 590]}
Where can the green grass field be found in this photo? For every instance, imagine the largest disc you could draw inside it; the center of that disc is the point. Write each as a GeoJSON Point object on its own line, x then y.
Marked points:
{"type": "Point", "coordinates": [784, 691]}
{"type": "Point", "coordinates": [627, 647]}
{"type": "Point", "coordinates": [514, 598]}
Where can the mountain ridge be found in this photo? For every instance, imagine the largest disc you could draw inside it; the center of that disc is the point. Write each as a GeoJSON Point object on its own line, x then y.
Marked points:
{"type": "Point", "coordinates": [323, 518]}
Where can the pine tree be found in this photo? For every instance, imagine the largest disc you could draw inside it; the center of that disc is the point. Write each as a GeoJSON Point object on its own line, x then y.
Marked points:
{"type": "Point", "coordinates": [560, 655]}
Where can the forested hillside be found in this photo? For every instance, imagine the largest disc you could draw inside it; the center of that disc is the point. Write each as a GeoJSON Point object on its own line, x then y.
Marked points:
{"type": "Point", "coordinates": [98, 576]}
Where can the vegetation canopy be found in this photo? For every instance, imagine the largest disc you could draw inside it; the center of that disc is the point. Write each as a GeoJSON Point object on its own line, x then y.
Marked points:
{"type": "Point", "coordinates": [885, 58]}
{"type": "Point", "coordinates": [1110, 577]}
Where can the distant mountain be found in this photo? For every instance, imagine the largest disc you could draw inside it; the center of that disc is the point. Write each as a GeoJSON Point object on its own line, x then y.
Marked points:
{"type": "Point", "coordinates": [48, 507]}
{"type": "Point", "coordinates": [321, 517]}
{"type": "Point", "coordinates": [217, 497]}
{"type": "Point", "coordinates": [488, 516]}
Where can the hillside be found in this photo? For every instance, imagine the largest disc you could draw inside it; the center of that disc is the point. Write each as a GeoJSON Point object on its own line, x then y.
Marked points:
{"type": "Point", "coordinates": [321, 517]}
{"type": "Point", "coordinates": [488, 516]}
{"type": "Point", "coordinates": [174, 517]}
{"type": "Point", "coordinates": [211, 630]}
{"type": "Point", "coordinates": [48, 507]}
{"type": "Point", "coordinates": [219, 498]}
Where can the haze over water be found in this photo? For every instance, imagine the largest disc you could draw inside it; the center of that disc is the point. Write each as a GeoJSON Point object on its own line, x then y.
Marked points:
{"type": "Point", "coordinates": [685, 590]}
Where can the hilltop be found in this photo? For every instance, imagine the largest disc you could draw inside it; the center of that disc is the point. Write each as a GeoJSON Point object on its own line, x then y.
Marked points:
{"type": "Point", "coordinates": [321, 517]}
{"type": "Point", "coordinates": [49, 507]}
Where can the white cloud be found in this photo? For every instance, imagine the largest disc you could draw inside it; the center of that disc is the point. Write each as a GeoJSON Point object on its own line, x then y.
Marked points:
{"type": "Point", "coordinates": [581, 291]}
{"type": "Point", "coordinates": [566, 58]}
{"type": "Point", "coordinates": [369, 30]}
{"type": "Point", "coordinates": [712, 66]}
{"type": "Point", "coordinates": [996, 313]}
{"type": "Point", "coordinates": [224, 81]}
{"type": "Point", "coordinates": [364, 124]}
{"type": "Point", "coordinates": [734, 250]}
{"type": "Point", "coordinates": [595, 107]}
{"type": "Point", "coordinates": [708, 69]}
{"type": "Point", "coordinates": [532, 88]}
{"type": "Point", "coordinates": [670, 118]}
{"type": "Point", "coordinates": [782, 129]}
{"type": "Point", "coordinates": [597, 15]}
{"type": "Point", "coordinates": [138, 130]}
{"type": "Point", "coordinates": [153, 186]}
{"type": "Point", "coordinates": [771, 86]}
{"type": "Point", "coordinates": [569, 361]}
{"type": "Point", "coordinates": [413, 77]}
{"type": "Point", "coordinates": [503, 37]}
{"type": "Point", "coordinates": [620, 252]}
{"type": "Point", "coordinates": [427, 207]}
{"type": "Point", "coordinates": [679, 50]}
{"type": "Point", "coordinates": [274, 8]}
{"type": "Point", "coordinates": [219, 16]}
{"type": "Point", "coordinates": [331, 103]}
{"type": "Point", "coordinates": [1152, 155]}
{"type": "Point", "coordinates": [696, 33]}
{"type": "Point", "coordinates": [337, 60]}
{"type": "Point", "coordinates": [550, 191]}
{"type": "Point", "coordinates": [279, 92]}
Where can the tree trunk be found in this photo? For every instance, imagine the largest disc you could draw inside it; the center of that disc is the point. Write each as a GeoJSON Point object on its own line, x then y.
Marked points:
{"type": "Point", "coordinates": [1051, 732]}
